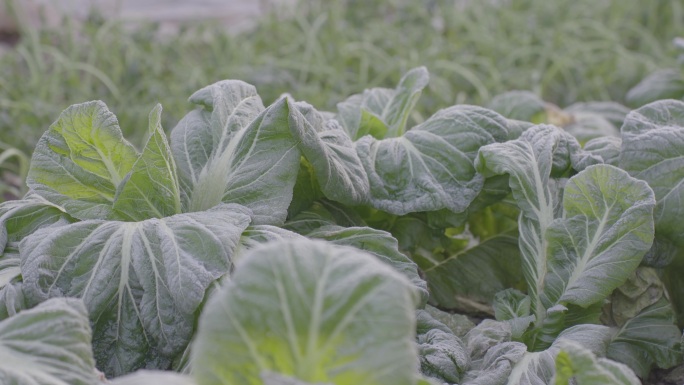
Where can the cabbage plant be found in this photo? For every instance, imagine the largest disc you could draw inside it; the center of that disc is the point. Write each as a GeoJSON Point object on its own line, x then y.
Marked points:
{"type": "Point", "coordinates": [285, 245]}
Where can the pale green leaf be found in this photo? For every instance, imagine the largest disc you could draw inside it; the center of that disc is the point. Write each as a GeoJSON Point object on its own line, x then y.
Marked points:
{"type": "Point", "coordinates": [378, 243]}
{"type": "Point", "coordinates": [151, 189]}
{"type": "Point", "coordinates": [47, 345]}
{"type": "Point", "coordinates": [312, 311]}
{"type": "Point", "coordinates": [234, 151]}
{"type": "Point", "coordinates": [431, 167]}
{"type": "Point", "coordinates": [650, 338]}
{"type": "Point", "coordinates": [332, 156]}
{"type": "Point", "coordinates": [608, 148]}
{"type": "Point", "coordinates": [577, 365]}
{"type": "Point", "coordinates": [606, 228]}
{"type": "Point", "coordinates": [652, 139]}
{"type": "Point", "coordinates": [81, 160]}
{"type": "Point", "coordinates": [142, 282]}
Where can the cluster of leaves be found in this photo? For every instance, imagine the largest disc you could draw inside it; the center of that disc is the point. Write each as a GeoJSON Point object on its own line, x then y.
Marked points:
{"type": "Point", "coordinates": [666, 83]}
{"type": "Point", "coordinates": [283, 245]}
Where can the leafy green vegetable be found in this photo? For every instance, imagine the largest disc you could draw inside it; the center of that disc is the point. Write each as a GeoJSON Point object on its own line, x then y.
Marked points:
{"type": "Point", "coordinates": [575, 362]}
{"type": "Point", "coordinates": [151, 189]}
{"type": "Point", "coordinates": [136, 278]}
{"type": "Point", "coordinates": [48, 345]}
{"type": "Point", "coordinates": [80, 161]}
{"type": "Point", "coordinates": [312, 310]}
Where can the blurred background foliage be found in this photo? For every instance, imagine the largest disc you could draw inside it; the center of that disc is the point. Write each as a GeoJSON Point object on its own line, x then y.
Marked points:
{"type": "Point", "coordinates": [322, 51]}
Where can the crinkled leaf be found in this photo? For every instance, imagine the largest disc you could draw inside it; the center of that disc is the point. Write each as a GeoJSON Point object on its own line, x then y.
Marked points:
{"type": "Point", "coordinates": [20, 218]}
{"type": "Point", "coordinates": [380, 244]}
{"type": "Point", "coordinates": [151, 189]}
{"type": "Point", "coordinates": [538, 368]}
{"type": "Point", "coordinates": [476, 274]}
{"type": "Point", "coordinates": [496, 365]}
{"type": "Point", "coordinates": [81, 160]}
{"type": "Point", "coordinates": [331, 153]}
{"type": "Point", "coordinates": [141, 281]}
{"type": "Point", "coordinates": [313, 311]}
{"type": "Point", "coordinates": [650, 338]}
{"type": "Point", "coordinates": [642, 289]}
{"type": "Point", "coordinates": [513, 307]}
{"type": "Point", "coordinates": [442, 356]}
{"type": "Point", "coordinates": [234, 151]}
{"type": "Point", "coordinates": [12, 300]}
{"type": "Point", "coordinates": [573, 362]}
{"type": "Point", "coordinates": [431, 166]}
{"type": "Point", "coordinates": [529, 160]}
{"type": "Point", "coordinates": [459, 324]}
{"type": "Point", "coordinates": [382, 112]}
{"type": "Point", "coordinates": [606, 228]}
{"type": "Point", "coordinates": [152, 377]}
{"type": "Point", "coordinates": [48, 345]}
{"type": "Point", "coordinates": [652, 139]}
{"type": "Point", "coordinates": [228, 107]}
{"type": "Point", "coordinates": [608, 148]}
{"type": "Point", "coordinates": [662, 84]}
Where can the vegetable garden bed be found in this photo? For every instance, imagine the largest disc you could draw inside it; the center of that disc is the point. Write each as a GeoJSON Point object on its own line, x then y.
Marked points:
{"type": "Point", "coordinates": [286, 245]}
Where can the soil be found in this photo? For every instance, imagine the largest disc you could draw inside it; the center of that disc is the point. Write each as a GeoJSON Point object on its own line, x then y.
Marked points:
{"type": "Point", "coordinates": [674, 376]}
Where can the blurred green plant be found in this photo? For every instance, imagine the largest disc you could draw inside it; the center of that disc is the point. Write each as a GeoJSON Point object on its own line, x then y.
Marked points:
{"type": "Point", "coordinates": [14, 165]}
{"type": "Point", "coordinates": [321, 51]}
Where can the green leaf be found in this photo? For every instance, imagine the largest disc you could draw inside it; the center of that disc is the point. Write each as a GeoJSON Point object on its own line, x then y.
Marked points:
{"type": "Point", "coordinates": [652, 139]}
{"type": "Point", "coordinates": [151, 377]}
{"type": "Point", "coordinates": [234, 151]}
{"type": "Point", "coordinates": [608, 148]}
{"type": "Point", "coordinates": [577, 365]}
{"type": "Point", "coordinates": [312, 311]}
{"type": "Point", "coordinates": [651, 337]}
{"type": "Point", "coordinates": [442, 356]}
{"type": "Point", "coordinates": [20, 218]}
{"type": "Point", "coordinates": [431, 166]}
{"type": "Point", "coordinates": [529, 161]}
{"type": "Point", "coordinates": [81, 160]}
{"type": "Point", "coordinates": [538, 368]}
{"type": "Point", "coordinates": [605, 230]}
{"type": "Point", "coordinates": [662, 84]}
{"type": "Point", "coordinates": [513, 307]}
{"type": "Point", "coordinates": [472, 277]}
{"type": "Point", "coordinates": [140, 281]}
{"type": "Point", "coordinates": [48, 345]}
{"type": "Point", "coordinates": [378, 243]}
{"type": "Point", "coordinates": [151, 189]}
{"type": "Point", "coordinates": [382, 112]}
{"type": "Point", "coordinates": [331, 153]}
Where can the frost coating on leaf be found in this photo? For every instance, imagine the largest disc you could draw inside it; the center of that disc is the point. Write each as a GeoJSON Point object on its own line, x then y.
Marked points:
{"type": "Point", "coordinates": [47, 345]}
{"type": "Point", "coordinates": [81, 160]}
{"type": "Point", "coordinates": [313, 311]}
{"type": "Point", "coordinates": [652, 142]}
{"type": "Point", "coordinates": [136, 278]}
{"type": "Point", "coordinates": [431, 166]}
